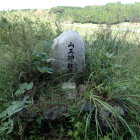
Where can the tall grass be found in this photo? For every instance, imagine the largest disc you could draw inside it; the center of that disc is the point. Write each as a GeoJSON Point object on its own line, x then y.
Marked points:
{"type": "Point", "coordinates": [113, 76]}
{"type": "Point", "coordinates": [20, 38]}
{"type": "Point", "coordinates": [112, 81]}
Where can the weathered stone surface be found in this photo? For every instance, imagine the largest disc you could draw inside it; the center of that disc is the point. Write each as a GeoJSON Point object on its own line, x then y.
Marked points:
{"type": "Point", "coordinates": [87, 107]}
{"type": "Point", "coordinates": [69, 89]}
{"type": "Point", "coordinates": [69, 53]}
{"type": "Point", "coordinates": [118, 106]}
{"type": "Point", "coordinates": [69, 86]}
{"type": "Point", "coordinates": [54, 113]}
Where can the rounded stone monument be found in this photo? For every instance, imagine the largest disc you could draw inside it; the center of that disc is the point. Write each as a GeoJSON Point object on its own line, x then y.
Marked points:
{"type": "Point", "coordinates": [68, 52]}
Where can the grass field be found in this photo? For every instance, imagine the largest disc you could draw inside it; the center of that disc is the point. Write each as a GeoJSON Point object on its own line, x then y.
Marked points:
{"type": "Point", "coordinates": [28, 87]}
{"type": "Point", "coordinates": [124, 25]}
{"type": "Point", "coordinates": [118, 29]}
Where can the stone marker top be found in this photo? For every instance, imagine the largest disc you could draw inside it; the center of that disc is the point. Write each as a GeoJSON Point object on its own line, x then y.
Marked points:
{"type": "Point", "coordinates": [69, 52]}
{"type": "Point", "coordinates": [66, 36]}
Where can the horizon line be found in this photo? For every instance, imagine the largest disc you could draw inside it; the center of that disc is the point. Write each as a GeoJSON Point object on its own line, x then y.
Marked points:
{"type": "Point", "coordinates": [10, 9]}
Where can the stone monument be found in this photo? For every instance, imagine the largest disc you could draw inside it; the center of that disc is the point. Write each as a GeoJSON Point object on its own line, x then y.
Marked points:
{"type": "Point", "coordinates": [68, 52]}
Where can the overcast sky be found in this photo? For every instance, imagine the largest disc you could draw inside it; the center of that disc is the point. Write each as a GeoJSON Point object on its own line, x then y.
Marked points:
{"type": "Point", "coordinates": [46, 4]}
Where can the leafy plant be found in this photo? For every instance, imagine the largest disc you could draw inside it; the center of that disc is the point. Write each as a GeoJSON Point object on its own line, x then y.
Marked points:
{"type": "Point", "coordinates": [41, 61]}
{"type": "Point", "coordinates": [23, 87]}
{"type": "Point", "coordinates": [7, 116]}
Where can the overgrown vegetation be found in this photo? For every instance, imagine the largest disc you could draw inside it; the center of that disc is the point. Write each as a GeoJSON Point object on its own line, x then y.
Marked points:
{"type": "Point", "coordinates": [111, 13]}
{"type": "Point", "coordinates": [110, 84]}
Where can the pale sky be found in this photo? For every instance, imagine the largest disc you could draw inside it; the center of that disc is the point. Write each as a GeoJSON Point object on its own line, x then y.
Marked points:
{"type": "Point", "coordinates": [46, 4]}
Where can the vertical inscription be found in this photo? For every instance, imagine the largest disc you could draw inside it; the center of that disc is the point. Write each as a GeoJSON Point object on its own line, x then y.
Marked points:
{"type": "Point", "coordinates": [70, 65]}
